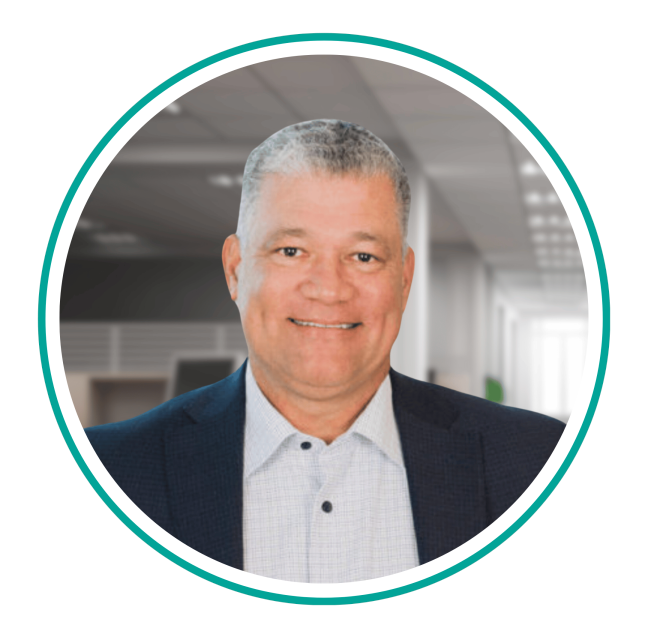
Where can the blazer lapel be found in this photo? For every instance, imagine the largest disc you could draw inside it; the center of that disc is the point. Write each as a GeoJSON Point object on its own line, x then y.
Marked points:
{"type": "Point", "coordinates": [204, 457]}
{"type": "Point", "coordinates": [444, 468]}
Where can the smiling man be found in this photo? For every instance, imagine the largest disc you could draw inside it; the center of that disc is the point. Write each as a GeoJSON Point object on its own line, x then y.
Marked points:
{"type": "Point", "coordinates": [316, 462]}
{"type": "Point", "coordinates": [321, 292]}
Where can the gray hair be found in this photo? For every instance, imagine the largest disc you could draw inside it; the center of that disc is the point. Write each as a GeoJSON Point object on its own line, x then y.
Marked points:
{"type": "Point", "coordinates": [330, 146]}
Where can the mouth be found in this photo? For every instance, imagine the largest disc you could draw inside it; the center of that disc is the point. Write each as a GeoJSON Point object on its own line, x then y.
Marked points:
{"type": "Point", "coordinates": [336, 326]}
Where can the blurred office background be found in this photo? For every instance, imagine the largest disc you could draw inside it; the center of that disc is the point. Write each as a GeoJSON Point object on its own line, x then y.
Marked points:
{"type": "Point", "coordinates": [498, 307]}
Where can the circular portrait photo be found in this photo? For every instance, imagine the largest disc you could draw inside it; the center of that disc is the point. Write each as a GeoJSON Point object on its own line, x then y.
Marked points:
{"type": "Point", "coordinates": [323, 319]}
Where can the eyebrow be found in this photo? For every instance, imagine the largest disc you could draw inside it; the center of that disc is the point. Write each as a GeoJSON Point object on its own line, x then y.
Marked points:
{"type": "Point", "coordinates": [363, 236]}
{"type": "Point", "coordinates": [301, 233]}
{"type": "Point", "coordinates": [285, 232]}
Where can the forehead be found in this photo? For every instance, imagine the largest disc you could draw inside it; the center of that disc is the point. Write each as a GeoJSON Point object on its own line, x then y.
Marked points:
{"type": "Point", "coordinates": [333, 204]}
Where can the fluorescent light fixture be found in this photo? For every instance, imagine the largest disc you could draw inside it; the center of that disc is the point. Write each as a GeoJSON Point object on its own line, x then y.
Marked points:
{"type": "Point", "coordinates": [89, 224]}
{"type": "Point", "coordinates": [115, 238]}
{"type": "Point", "coordinates": [174, 108]}
{"type": "Point", "coordinates": [530, 168]}
{"type": "Point", "coordinates": [222, 180]}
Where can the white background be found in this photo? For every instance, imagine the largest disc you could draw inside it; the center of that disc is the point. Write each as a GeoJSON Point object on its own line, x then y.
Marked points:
{"type": "Point", "coordinates": [579, 567]}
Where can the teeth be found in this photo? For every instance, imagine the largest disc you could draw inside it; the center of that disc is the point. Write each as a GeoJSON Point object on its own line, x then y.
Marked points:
{"type": "Point", "coordinates": [341, 326]}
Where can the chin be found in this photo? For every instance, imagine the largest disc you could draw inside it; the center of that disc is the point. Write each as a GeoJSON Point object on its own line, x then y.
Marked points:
{"type": "Point", "coordinates": [323, 372]}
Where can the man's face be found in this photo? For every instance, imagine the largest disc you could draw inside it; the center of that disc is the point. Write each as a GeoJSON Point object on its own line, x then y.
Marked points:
{"type": "Point", "coordinates": [323, 284]}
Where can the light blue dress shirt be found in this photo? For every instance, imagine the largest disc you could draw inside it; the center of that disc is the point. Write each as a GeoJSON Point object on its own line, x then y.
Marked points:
{"type": "Point", "coordinates": [318, 513]}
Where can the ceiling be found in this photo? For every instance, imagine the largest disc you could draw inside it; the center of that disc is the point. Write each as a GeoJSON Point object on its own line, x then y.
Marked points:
{"type": "Point", "coordinates": [174, 189]}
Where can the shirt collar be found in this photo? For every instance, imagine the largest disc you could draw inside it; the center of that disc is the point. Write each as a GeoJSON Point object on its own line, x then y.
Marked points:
{"type": "Point", "coordinates": [267, 429]}
{"type": "Point", "coordinates": [378, 424]}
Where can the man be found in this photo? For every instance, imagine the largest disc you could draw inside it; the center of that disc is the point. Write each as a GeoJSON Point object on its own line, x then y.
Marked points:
{"type": "Point", "coordinates": [315, 461]}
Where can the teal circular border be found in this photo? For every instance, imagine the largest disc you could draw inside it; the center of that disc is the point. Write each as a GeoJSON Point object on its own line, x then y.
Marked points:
{"type": "Point", "coordinates": [331, 37]}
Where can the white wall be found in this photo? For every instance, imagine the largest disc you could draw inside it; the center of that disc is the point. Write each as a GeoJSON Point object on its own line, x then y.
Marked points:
{"type": "Point", "coordinates": [557, 352]}
{"type": "Point", "coordinates": [458, 318]}
{"type": "Point", "coordinates": [537, 355]}
{"type": "Point", "coordinates": [410, 351]}
{"type": "Point", "coordinates": [507, 346]}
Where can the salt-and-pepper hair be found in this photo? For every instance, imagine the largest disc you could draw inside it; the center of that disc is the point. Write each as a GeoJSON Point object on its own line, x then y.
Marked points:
{"type": "Point", "coordinates": [331, 147]}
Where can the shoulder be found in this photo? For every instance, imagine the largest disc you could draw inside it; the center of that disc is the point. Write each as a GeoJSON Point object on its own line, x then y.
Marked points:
{"type": "Point", "coordinates": [140, 453]}
{"type": "Point", "coordinates": [143, 433]}
{"type": "Point", "coordinates": [511, 437]}
{"type": "Point", "coordinates": [134, 451]}
{"type": "Point", "coordinates": [464, 412]}
{"type": "Point", "coordinates": [146, 432]}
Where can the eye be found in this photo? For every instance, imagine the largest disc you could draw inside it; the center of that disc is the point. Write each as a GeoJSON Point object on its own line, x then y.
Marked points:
{"type": "Point", "coordinates": [365, 258]}
{"type": "Point", "coordinates": [289, 251]}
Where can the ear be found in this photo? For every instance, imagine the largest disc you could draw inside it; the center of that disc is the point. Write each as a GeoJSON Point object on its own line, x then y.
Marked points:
{"type": "Point", "coordinates": [408, 275]}
{"type": "Point", "coordinates": [231, 259]}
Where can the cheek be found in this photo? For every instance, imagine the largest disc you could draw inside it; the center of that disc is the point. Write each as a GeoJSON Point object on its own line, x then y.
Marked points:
{"type": "Point", "coordinates": [264, 291]}
{"type": "Point", "coordinates": [382, 300]}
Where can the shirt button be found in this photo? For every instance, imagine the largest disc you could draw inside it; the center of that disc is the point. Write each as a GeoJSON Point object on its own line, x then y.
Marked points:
{"type": "Point", "coordinates": [327, 506]}
{"type": "Point", "coordinates": [306, 445]}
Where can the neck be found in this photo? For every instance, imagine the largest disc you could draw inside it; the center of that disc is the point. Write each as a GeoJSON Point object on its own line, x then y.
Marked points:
{"type": "Point", "coordinates": [324, 415]}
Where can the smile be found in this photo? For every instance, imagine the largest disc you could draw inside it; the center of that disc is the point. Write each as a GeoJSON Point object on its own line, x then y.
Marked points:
{"type": "Point", "coordinates": [312, 324]}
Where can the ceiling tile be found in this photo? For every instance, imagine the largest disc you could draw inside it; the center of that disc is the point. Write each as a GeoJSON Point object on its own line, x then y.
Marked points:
{"type": "Point", "coordinates": [432, 102]}
{"type": "Point", "coordinates": [173, 128]}
{"type": "Point", "coordinates": [382, 74]}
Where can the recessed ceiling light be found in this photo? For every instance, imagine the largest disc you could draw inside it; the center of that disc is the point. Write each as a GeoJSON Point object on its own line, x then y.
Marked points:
{"type": "Point", "coordinates": [542, 251]}
{"type": "Point", "coordinates": [539, 238]}
{"type": "Point", "coordinates": [536, 221]}
{"type": "Point", "coordinates": [530, 168]}
{"type": "Point", "coordinates": [174, 108]}
{"type": "Point", "coordinates": [533, 198]}
{"type": "Point", "coordinates": [222, 180]}
{"type": "Point", "coordinates": [554, 237]}
{"type": "Point", "coordinates": [551, 198]}
{"type": "Point", "coordinates": [569, 237]}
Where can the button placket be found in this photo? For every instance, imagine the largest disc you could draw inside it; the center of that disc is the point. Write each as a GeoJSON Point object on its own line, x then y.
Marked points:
{"type": "Point", "coordinates": [323, 527]}
{"type": "Point", "coordinates": [326, 531]}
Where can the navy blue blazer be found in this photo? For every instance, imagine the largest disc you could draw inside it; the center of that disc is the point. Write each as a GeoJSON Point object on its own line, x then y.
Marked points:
{"type": "Point", "coordinates": [467, 461]}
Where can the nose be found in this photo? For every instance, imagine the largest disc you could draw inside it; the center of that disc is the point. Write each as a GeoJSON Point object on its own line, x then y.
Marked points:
{"type": "Point", "coordinates": [327, 282]}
